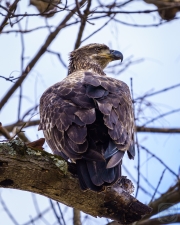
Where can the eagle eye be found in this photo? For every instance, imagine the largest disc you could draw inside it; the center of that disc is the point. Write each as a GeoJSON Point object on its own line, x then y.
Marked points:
{"type": "Point", "coordinates": [97, 49]}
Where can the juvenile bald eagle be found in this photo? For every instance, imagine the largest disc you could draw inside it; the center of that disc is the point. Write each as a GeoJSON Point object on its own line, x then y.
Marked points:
{"type": "Point", "coordinates": [87, 118]}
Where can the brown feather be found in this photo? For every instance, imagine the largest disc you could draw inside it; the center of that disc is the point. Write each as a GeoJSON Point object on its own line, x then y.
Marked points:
{"type": "Point", "coordinates": [115, 159]}
{"type": "Point", "coordinates": [86, 117]}
{"type": "Point", "coordinates": [77, 134]}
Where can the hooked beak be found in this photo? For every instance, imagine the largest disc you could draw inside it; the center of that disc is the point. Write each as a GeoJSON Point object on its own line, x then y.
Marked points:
{"type": "Point", "coordinates": [116, 55]}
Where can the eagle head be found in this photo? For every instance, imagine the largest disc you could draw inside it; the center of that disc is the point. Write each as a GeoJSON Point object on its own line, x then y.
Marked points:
{"type": "Point", "coordinates": [95, 55]}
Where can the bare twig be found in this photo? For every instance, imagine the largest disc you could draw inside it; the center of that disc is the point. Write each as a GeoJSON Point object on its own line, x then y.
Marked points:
{"type": "Point", "coordinates": [55, 213]}
{"type": "Point", "coordinates": [59, 57]}
{"type": "Point", "coordinates": [4, 132]}
{"type": "Point", "coordinates": [62, 216]}
{"type": "Point", "coordinates": [22, 66]}
{"type": "Point", "coordinates": [158, 92]}
{"type": "Point", "coordinates": [12, 9]}
{"type": "Point", "coordinates": [18, 131]}
{"type": "Point", "coordinates": [157, 130]}
{"type": "Point", "coordinates": [175, 218]}
{"type": "Point", "coordinates": [137, 11]}
{"type": "Point", "coordinates": [32, 63]}
{"type": "Point", "coordinates": [160, 116]}
{"type": "Point", "coordinates": [8, 212]}
{"type": "Point", "coordinates": [97, 30]}
{"type": "Point", "coordinates": [39, 216]}
{"type": "Point", "coordinates": [153, 155]}
{"type": "Point", "coordinates": [158, 185]}
{"type": "Point", "coordinates": [83, 22]}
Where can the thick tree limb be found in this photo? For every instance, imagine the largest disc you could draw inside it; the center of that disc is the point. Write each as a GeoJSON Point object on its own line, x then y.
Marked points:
{"type": "Point", "coordinates": [165, 201]}
{"type": "Point", "coordinates": [37, 171]}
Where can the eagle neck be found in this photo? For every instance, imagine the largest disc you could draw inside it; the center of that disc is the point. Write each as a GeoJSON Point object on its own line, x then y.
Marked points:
{"type": "Point", "coordinates": [84, 64]}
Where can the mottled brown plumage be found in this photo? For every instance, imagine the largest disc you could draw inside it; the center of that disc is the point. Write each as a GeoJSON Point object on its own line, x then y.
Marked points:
{"type": "Point", "coordinates": [88, 117]}
{"type": "Point", "coordinates": [47, 7]}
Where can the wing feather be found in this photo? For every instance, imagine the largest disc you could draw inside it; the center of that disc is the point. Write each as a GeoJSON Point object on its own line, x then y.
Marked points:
{"type": "Point", "coordinates": [82, 117]}
{"type": "Point", "coordinates": [77, 133]}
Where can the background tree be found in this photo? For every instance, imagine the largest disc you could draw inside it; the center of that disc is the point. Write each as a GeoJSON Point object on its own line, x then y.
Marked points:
{"type": "Point", "coordinates": [34, 47]}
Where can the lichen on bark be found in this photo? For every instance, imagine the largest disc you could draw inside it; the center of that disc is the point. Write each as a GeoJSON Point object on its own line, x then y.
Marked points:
{"type": "Point", "coordinates": [26, 168]}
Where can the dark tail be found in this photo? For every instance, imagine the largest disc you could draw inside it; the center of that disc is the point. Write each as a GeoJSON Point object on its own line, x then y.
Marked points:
{"type": "Point", "coordinates": [94, 175]}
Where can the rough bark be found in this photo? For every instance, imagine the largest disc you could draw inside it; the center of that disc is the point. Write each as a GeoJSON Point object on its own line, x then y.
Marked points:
{"type": "Point", "coordinates": [37, 171]}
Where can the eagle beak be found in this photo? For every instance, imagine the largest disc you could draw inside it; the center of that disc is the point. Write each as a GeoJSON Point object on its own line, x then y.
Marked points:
{"type": "Point", "coordinates": [116, 55]}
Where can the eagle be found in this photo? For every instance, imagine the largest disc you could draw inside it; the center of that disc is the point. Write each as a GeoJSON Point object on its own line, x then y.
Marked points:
{"type": "Point", "coordinates": [87, 118]}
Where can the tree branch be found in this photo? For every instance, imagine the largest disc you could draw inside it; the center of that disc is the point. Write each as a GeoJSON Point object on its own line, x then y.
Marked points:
{"type": "Point", "coordinates": [10, 127]}
{"type": "Point", "coordinates": [42, 50]}
{"type": "Point", "coordinates": [37, 171]}
{"type": "Point", "coordinates": [76, 217]}
{"type": "Point", "coordinates": [11, 9]}
{"type": "Point", "coordinates": [175, 218]}
{"type": "Point", "coordinates": [170, 197]}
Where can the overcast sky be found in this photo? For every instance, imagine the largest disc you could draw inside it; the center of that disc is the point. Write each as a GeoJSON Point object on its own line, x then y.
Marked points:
{"type": "Point", "coordinates": [159, 47]}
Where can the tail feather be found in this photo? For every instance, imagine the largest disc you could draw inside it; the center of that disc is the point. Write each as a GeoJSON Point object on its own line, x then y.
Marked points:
{"type": "Point", "coordinates": [84, 177]}
{"type": "Point", "coordinates": [94, 175]}
{"type": "Point", "coordinates": [99, 174]}
{"type": "Point", "coordinates": [115, 159]}
{"type": "Point", "coordinates": [131, 151]}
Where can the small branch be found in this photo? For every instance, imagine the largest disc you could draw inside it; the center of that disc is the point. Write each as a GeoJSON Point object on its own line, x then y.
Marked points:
{"type": "Point", "coordinates": [4, 132]}
{"type": "Point", "coordinates": [60, 211]}
{"type": "Point", "coordinates": [11, 9]}
{"type": "Point", "coordinates": [153, 155]}
{"type": "Point", "coordinates": [83, 23]}
{"type": "Point", "coordinates": [76, 217]}
{"type": "Point", "coordinates": [39, 216]}
{"type": "Point", "coordinates": [9, 213]}
{"type": "Point", "coordinates": [42, 50]}
{"type": "Point", "coordinates": [20, 134]}
{"type": "Point", "coordinates": [97, 30]}
{"type": "Point", "coordinates": [59, 57]}
{"type": "Point", "coordinates": [157, 130]}
{"type": "Point", "coordinates": [135, 12]}
{"type": "Point", "coordinates": [25, 30]}
{"type": "Point", "coordinates": [158, 92]}
{"type": "Point", "coordinates": [158, 185]}
{"type": "Point", "coordinates": [20, 124]}
{"type": "Point", "coordinates": [160, 116]}
{"type": "Point", "coordinates": [10, 127]}
{"type": "Point", "coordinates": [22, 66]}
{"type": "Point", "coordinates": [170, 198]}
{"type": "Point", "coordinates": [37, 171]}
{"type": "Point", "coordinates": [175, 218]}
{"type": "Point", "coordinates": [55, 213]}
